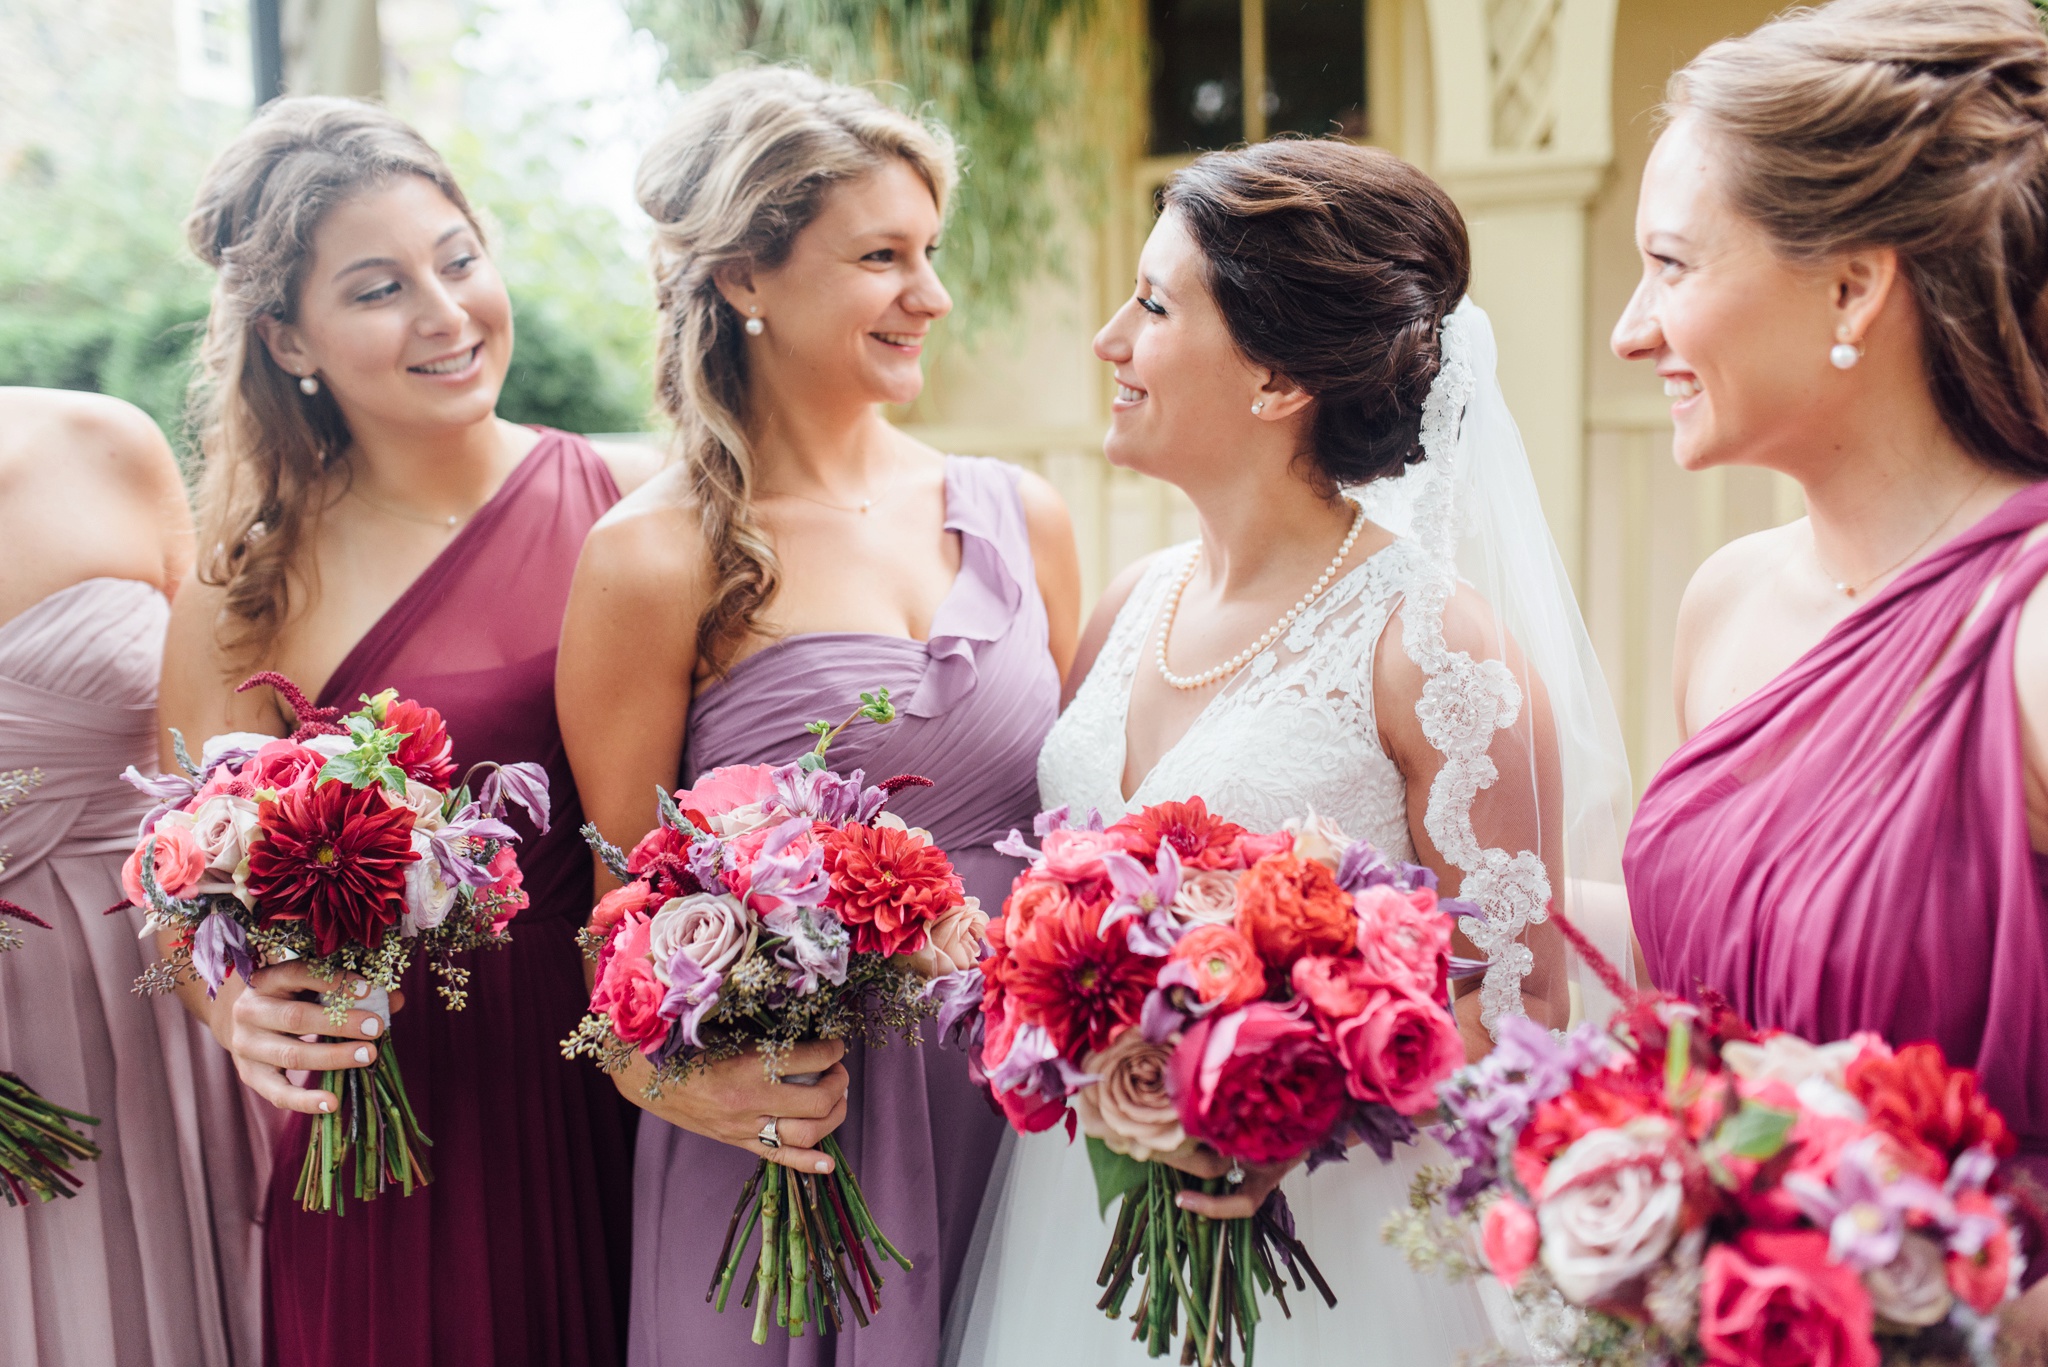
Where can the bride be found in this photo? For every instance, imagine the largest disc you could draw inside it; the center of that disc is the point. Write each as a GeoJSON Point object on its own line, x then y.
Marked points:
{"type": "Point", "coordinates": [1405, 661]}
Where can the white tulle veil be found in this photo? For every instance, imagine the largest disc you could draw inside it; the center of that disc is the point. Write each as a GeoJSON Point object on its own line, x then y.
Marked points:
{"type": "Point", "coordinates": [1473, 507]}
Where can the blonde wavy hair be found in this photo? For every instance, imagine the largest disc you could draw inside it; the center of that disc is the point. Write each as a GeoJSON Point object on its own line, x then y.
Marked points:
{"type": "Point", "coordinates": [1919, 125]}
{"type": "Point", "coordinates": [744, 168]}
{"type": "Point", "coordinates": [268, 447]}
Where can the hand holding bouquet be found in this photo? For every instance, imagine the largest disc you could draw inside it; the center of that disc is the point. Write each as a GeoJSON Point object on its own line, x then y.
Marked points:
{"type": "Point", "coordinates": [1679, 1188]}
{"type": "Point", "coordinates": [768, 907]}
{"type": "Point", "coordinates": [1176, 980]}
{"type": "Point", "coordinates": [37, 1143]}
{"type": "Point", "coordinates": [344, 846]}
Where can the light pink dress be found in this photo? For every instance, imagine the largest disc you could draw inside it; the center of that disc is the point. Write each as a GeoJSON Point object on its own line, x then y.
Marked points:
{"type": "Point", "coordinates": [157, 1260]}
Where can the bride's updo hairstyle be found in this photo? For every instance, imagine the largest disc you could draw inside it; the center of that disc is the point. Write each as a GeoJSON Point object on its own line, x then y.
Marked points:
{"type": "Point", "coordinates": [1333, 265]}
{"type": "Point", "coordinates": [1922, 126]}
{"type": "Point", "coordinates": [268, 446]}
{"type": "Point", "coordinates": [745, 167]}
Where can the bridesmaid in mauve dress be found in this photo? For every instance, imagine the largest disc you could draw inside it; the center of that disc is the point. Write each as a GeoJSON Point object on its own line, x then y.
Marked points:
{"type": "Point", "coordinates": [1844, 285]}
{"type": "Point", "coordinates": [802, 551]}
{"type": "Point", "coordinates": [157, 1258]}
{"type": "Point", "coordinates": [369, 523]}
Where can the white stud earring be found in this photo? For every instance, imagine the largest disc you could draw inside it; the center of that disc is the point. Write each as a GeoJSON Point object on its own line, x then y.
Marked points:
{"type": "Point", "coordinates": [755, 327]}
{"type": "Point", "coordinates": [308, 385]}
{"type": "Point", "coordinates": [1843, 355]}
{"type": "Point", "coordinates": [1259, 407]}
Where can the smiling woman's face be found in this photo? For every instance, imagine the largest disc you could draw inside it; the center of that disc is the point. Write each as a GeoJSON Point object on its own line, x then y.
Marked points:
{"type": "Point", "coordinates": [847, 314]}
{"type": "Point", "coordinates": [401, 315]}
{"type": "Point", "coordinates": [1739, 335]}
{"type": "Point", "coordinates": [1184, 390]}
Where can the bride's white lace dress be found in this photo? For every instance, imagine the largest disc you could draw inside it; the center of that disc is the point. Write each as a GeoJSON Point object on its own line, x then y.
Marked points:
{"type": "Point", "coordinates": [1293, 732]}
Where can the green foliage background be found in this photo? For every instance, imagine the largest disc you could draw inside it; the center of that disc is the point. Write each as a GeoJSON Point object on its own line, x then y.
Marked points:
{"type": "Point", "coordinates": [1008, 77]}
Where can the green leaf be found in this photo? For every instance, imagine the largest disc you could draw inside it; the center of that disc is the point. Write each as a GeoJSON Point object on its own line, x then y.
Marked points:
{"type": "Point", "coordinates": [369, 763]}
{"type": "Point", "coordinates": [1116, 1174]}
{"type": "Point", "coordinates": [1755, 1131]}
{"type": "Point", "coordinates": [813, 762]}
{"type": "Point", "coordinates": [877, 708]}
{"type": "Point", "coordinates": [1677, 1054]}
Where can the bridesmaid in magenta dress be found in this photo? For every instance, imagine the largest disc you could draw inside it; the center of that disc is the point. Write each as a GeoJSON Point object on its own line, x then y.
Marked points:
{"type": "Point", "coordinates": [801, 552]}
{"type": "Point", "coordinates": [373, 525]}
{"type": "Point", "coordinates": [1844, 257]}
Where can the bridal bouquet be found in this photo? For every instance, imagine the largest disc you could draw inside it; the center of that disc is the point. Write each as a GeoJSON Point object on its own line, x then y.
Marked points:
{"type": "Point", "coordinates": [1678, 1188]}
{"type": "Point", "coordinates": [771, 906]}
{"type": "Point", "coordinates": [1176, 980]}
{"type": "Point", "coordinates": [343, 845]}
{"type": "Point", "coordinates": [37, 1143]}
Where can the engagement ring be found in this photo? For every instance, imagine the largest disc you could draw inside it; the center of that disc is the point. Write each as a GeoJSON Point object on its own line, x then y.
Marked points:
{"type": "Point", "coordinates": [1235, 1176]}
{"type": "Point", "coordinates": [768, 1136]}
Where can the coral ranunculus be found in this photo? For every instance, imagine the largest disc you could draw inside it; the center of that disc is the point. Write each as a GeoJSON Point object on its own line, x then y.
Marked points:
{"type": "Point", "coordinates": [888, 885]}
{"type": "Point", "coordinates": [1919, 1099]}
{"type": "Point", "coordinates": [1226, 969]}
{"type": "Point", "coordinates": [334, 857]}
{"type": "Point", "coordinates": [1288, 906]}
{"type": "Point", "coordinates": [1076, 983]}
{"type": "Point", "coordinates": [1774, 1299]}
{"type": "Point", "coordinates": [427, 756]}
{"type": "Point", "coordinates": [1257, 1084]}
{"type": "Point", "coordinates": [1201, 839]}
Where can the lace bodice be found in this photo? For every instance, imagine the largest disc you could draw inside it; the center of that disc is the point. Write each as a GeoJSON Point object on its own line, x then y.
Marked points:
{"type": "Point", "coordinates": [1294, 732]}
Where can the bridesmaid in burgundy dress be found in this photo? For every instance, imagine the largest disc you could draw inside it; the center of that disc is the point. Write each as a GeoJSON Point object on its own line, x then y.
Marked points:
{"type": "Point", "coordinates": [1845, 253]}
{"type": "Point", "coordinates": [368, 522]}
{"type": "Point", "coordinates": [803, 550]}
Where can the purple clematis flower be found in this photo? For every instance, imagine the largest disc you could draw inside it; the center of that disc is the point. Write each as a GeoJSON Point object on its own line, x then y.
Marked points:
{"type": "Point", "coordinates": [458, 845]}
{"type": "Point", "coordinates": [817, 946]}
{"type": "Point", "coordinates": [524, 785]}
{"type": "Point", "coordinates": [1146, 899]}
{"type": "Point", "coordinates": [789, 880]}
{"type": "Point", "coordinates": [1864, 1208]}
{"type": "Point", "coordinates": [218, 945]}
{"type": "Point", "coordinates": [821, 795]}
{"type": "Point", "coordinates": [170, 792]}
{"type": "Point", "coordinates": [1034, 1068]}
{"type": "Point", "coordinates": [691, 998]}
{"type": "Point", "coordinates": [959, 997]}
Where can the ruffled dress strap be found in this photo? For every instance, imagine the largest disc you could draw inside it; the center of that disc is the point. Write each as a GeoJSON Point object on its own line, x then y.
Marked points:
{"type": "Point", "coordinates": [996, 590]}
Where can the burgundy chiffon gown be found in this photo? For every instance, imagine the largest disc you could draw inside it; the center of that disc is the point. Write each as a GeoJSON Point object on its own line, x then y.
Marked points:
{"type": "Point", "coordinates": [516, 1254]}
{"type": "Point", "coordinates": [1847, 849]}
{"type": "Point", "coordinates": [975, 702]}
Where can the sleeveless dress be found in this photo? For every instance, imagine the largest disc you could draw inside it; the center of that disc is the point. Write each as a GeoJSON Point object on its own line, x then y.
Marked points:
{"type": "Point", "coordinates": [1294, 731]}
{"type": "Point", "coordinates": [516, 1254]}
{"type": "Point", "coordinates": [1847, 848]}
{"type": "Point", "coordinates": [156, 1260]}
{"type": "Point", "coordinates": [974, 701]}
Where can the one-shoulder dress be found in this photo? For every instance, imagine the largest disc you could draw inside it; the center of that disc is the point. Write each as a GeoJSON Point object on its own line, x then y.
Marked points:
{"type": "Point", "coordinates": [976, 700]}
{"type": "Point", "coordinates": [157, 1259]}
{"type": "Point", "coordinates": [516, 1255]}
{"type": "Point", "coordinates": [1847, 849]}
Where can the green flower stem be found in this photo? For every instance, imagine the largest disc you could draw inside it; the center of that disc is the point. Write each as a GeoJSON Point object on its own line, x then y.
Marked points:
{"type": "Point", "coordinates": [771, 1243]}
{"type": "Point", "coordinates": [372, 1132]}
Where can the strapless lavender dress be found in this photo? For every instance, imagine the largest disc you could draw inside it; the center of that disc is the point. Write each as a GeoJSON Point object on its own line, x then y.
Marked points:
{"type": "Point", "coordinates": [975, 700]}
{"type": "Point", "coordinates": [157, 1260]}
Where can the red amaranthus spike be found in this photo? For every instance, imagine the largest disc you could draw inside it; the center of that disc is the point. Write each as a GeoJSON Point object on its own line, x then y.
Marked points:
{"type": "Point", "coordinates": [21, 913]}
{"type": "Point", "coordinates": [893, 786]}
{"type": "Point", "coordinates": [1602, 966]}
{"type": "Point", "coordinates": [312, 721]}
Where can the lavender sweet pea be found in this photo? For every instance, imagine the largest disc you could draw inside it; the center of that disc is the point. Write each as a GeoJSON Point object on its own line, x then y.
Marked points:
{"type": "Point", "coordinates": [218, 945]}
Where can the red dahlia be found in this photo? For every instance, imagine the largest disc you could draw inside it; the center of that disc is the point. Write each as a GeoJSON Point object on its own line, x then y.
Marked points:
{"type": "Point", "coordinates": [427, 756]}
{"type": "Point", "coordinates": [1082, 986]}
{"type": "Point", "coordinates": [1202, 841]}
{"type": "Point", "coordinates": [334, 857]}
{"type": "Point", "coordinates": [887, 886]}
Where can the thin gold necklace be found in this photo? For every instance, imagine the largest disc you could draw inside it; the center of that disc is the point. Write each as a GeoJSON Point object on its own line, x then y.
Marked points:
{"type": "Point", "coordinates": [1850, 591]}
{"type": "Point", "coordinates": [447, 521]}
{"type": "Point", "coordinates": [865, 504]}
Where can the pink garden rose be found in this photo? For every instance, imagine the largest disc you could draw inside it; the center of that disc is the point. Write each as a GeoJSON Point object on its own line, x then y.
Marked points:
{"type": "Point", "coordinates": [1128, 1107]}
{"type": "Point", "coordinates": [1508, 1239]}
{"type": "Point", "coordinates": [1775, 1299]}
{"type": "Point", "coordinates": [728, 789]}
{"type": "Point", "coordinates": [1609, 1207]}
{"type": "Point", "coordinates": [713, 931]}
{"type": "Point", "coordinates": [1404, 940]}
{"type": "Point", "coordinates": [179, 860]}
{"type": "Point", "coordinates": [628, 992]}
{"type": "Point", "coordinates": [1257, 1084]}
{"type": "Point", "coordinates": [1076, 856]}
{"type": "Point", "coordinates": [1397, 1049]}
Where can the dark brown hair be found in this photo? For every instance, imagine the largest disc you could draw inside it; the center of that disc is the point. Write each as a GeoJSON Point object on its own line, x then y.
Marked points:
{"type": "Point", "coordinates": [1333, 265]}
{"type": "Point", "coordinates": [268, 446]}
{"type": "Point", "coordinates": [1919, 125]}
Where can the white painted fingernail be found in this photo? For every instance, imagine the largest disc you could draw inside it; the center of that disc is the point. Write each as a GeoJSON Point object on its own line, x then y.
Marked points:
{"type": "Point", "coordinates": [363, 1054]}
{"type": "Point", "coordinates": [372, 1026]}
{"type": "Point", "coordinates": [361, 988]}
{"type": "Point", "coordinates": [824, 1165]}
{"type": "Point", "coordinates": [326, 1103]}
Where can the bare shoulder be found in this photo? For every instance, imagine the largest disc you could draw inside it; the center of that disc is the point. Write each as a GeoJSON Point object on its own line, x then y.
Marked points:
{"type": "Point", "coordinates": [1045, 512]}
{"type": "Point", "coordinates": [1469, 626]}
{"type": "Point", "coordinates": [67, 434]}
{"type": "Point", "coordinates": [632, 463]}
{"type": "Point", "coordinates": [1735, 571]}
{"type": "Point", "coordinates": [649, 544]}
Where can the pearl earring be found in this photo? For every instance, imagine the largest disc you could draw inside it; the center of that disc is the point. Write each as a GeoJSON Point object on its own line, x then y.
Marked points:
{"type": "Point", "coordinates": [1843, 355]}
{"type": "Point", "coordinates": [308, 385]}
{"type": "Point", "coordinates": [755, 327]}
{"type": "Point", "coordinates": [1259, 407]}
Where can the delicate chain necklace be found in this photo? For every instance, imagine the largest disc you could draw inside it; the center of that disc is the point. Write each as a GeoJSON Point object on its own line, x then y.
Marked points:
{"type": "Point", "coordinates": [865, 503]}
{"type": "Point", "coordinates": [447, 521]}
{"type": "Point", "coordinates": [1244, 657]}
{"type": "Point", "coordinates": [1851, 590]}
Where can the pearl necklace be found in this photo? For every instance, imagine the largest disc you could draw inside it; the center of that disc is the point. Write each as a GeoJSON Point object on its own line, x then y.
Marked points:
{"type": "Point", "coordinates": [1189, 682]}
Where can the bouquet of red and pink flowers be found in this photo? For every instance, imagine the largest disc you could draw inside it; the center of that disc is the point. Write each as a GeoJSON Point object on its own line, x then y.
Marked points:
{"type": "Point", "coordinates": [343, 845]}
{"type": "Point", "coordinates": [768, 907]}
{"type": "Point", "coordinates": [37, 1143]}
{"type": "Point", "coordinates": [1678, 1188]}
{"type": "Point", "coordinates": [1176, 980]}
